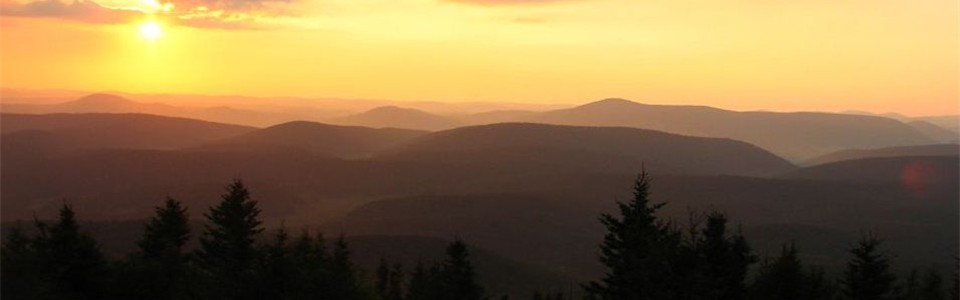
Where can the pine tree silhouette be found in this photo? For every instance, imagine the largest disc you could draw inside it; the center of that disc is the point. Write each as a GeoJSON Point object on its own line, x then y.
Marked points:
{"type": "Point", "coordinates": [395, 291]}
{"type": "Point", "coordinates": [785, 277]}
{"type": "Point", "coordinates": [638, 250]}
{"type": "Point", "coordinates": [20, 268]}
{"type": "Point", "coordinates": [457, 276]}
{"type": "Point", "coordinates": [344, 283]}
{"type": "Point", "coordinates": [71, 260]}
{"type": "Point", "coordinates": [726, 261]}
{"type": "Point", "coordinates": [159, 269]}
{"type": "Point", "coordinates": [868, 276]}
{"type": "Point", "coordinates": [227, 252]}
{"type": "Point", "coordinates": [423, 283]}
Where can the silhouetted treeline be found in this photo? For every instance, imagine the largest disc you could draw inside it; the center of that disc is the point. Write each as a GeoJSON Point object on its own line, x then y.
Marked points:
{"type": "Point", "coordinates": [61, 262]}
{"type": "Point", "coordinates": [650, 258]}
{"type": "Point", "coordinates": [646, 258]}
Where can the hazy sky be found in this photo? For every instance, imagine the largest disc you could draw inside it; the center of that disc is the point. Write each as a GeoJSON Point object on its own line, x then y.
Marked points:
{"type": "Point", "coordinates": [874, 55]}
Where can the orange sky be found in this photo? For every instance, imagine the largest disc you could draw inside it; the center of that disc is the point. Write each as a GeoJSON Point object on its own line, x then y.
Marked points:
{"type": "Point", "coordinates": [826, 55]}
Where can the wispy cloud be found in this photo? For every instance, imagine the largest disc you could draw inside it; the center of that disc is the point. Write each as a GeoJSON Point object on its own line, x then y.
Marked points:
{"type": "Point", "coordinates": [226, 14]}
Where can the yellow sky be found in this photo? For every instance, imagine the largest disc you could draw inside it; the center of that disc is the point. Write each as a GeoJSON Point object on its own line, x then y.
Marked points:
{"type": "Point", "coordinates": [874, 55]}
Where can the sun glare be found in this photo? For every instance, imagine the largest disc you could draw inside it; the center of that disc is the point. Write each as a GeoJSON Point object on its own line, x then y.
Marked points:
{"type": "Point", "coordinates": [151, 30]}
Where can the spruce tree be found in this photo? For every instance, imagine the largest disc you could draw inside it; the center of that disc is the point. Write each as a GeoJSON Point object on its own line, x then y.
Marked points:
{"type": "Point", "coordinates": [383, 279]}
{"type": "Point", "coordinates": [227, 253]}
{"type": "Point", "coordinates": [457, 276]}
{"type": "Point", "coordinates": [344, 283]}
{"type": "Point", "coordinates": [726, 260]}
{"type": "Point", "coordinates": [423, 283]}
{"type": "Point", "coordinates": [19, 268]}
{"type": "Point", "coordinates": [278, 271]}
{"type": "Point", "coordinates": [158, 270]}
{"type": "Point", "coordinates": [868, 276]}
{"type": "Point", "coordinates": [69, 259]}
{"type": "Point", "coordinates": [166, 234]}
{"type": "Point", "coordinates": [638, 251]}
{"type": "Point", "coordinates": [781, 278]}
{"type": "Point", "coordinates": [395, 291]}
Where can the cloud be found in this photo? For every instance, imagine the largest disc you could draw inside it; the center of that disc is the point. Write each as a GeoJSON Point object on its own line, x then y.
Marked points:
{"type": "Point", "coordinates": [224, 14]}
{"type": "Point", "coordinates": [82, 11]}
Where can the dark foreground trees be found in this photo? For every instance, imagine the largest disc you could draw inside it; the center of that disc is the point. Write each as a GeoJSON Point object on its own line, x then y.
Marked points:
{"type": "Point", "coordinates": [650, 258]}
{"type": "Point", "coordinates": [61, 262]}
{"type": "Point", "coordinates": [646, 257]}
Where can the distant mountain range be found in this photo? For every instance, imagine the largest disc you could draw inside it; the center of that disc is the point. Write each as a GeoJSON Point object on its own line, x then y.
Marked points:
{"type": "Point", "coordinates": [904, 151]}
{"type": "Point", "coordinates": [316, 139]}
{"type": "Point", "coordinates": [794, 136]}
{"type": "Point", "coordinates": [397, 117]}
{"type": "Point", "coordinates": [527, 192]}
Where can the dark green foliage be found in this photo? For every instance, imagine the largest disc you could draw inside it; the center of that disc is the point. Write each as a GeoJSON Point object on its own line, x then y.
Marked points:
{"type": "Point", "coordinates": [383, 278]}
{"type": "Point", "coordinates": [59, 263]}
{"type": "Point", "coordinates": [453, 278]}
{"type": "Point", "coordinates": [395, 289]}
{"type": "Point", "coordinates": [780, 278]}
{"type": "Point", "coordinates": [457, 277]}
{"type": "Point", "coordinates": [638, 250]}
{"type": "Point", "coordinates": [389, 283]}
{"type": "Point", "coordinates": [344, 282]}
{"type": "Point", "coordinates": [227, 252]}
{"type": "Point", "coordinates": [868, 276]}
{"type": "Point", "coordinates": [714, 263]}
{"type": "Point", "coordinates": [424, 283]}
{"type": "Point", "coordinates": [159, 269]}
{"type": "Point", "coordinates": [21, 275]}
{"type": "Point", "coordinates": [786, 278]}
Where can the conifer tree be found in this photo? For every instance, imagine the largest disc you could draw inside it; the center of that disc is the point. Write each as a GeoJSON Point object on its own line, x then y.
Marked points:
{"type": "Point", "coordinates": [278, 272]}
{"type": "Point", "coordinates": [383, 278]}
{"type": "Point", "coordinates": [344, 283]}
{"type": "Point", "coordinates": [638, 251]}
{"type": "Point", "coordinates": [227, 253]}
{"type": "Point", "coordinates": [19, 268]}
{"type": "Point", "coordinates": [458, 278]}
{"type": "Point", "coordinates": [395, 291]}
{"type": "Point", "coordinates": [780, 278]}
{"type": "Point", "coordinates": [868, 276]}
{"type": "Point", "coordinates": [70, 260]}
{"type": "Point", "coordinates": [725, 258]}
{"type": "Point", "coordinates": [423, 283]}
{"type": "Point", "coordinates": [158, 270]}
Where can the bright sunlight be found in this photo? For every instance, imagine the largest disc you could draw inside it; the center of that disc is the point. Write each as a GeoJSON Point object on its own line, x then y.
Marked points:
{"type": "Point", "coordinates": [151, 30]}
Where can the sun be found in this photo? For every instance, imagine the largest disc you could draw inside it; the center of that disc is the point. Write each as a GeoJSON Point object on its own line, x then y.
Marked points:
{"type": "Point", "coordinates": [151, 30]}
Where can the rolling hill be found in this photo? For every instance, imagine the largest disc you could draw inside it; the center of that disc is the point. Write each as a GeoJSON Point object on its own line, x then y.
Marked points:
{"type": "Point", "coordinates": [131, 131]}
{"type": "Point", "coordinates": [316, 139]}
{"type": "Point", "coordinates": [935, 132]}
{"type": "Point", "coordinates": [531, 146]}
{"type": "Point", "coordinates": [794, 136]}
{"type": "Point", "coordinates": [906, 169]}
{"type": "Point", "coordinates": [852, 154]}
{"type": "Point", "coordinates": [398, 117]}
